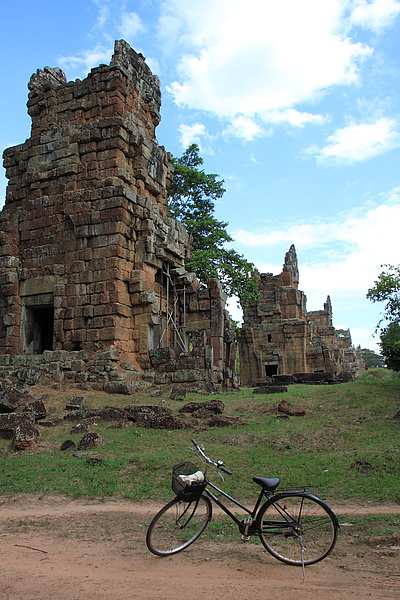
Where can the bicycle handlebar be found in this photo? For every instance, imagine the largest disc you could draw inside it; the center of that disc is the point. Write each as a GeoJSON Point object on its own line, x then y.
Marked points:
{"type": "Point", "coordinates": [219, 464]}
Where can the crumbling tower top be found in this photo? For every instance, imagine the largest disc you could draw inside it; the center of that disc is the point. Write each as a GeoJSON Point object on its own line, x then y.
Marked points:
{"type": "Point", "coordinates": [291, 267]}
{"type": "Point", "coordinates": [92, 133]}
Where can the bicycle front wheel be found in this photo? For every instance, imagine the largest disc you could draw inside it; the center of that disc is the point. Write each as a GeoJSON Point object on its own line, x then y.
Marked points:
{"type": "Point", "coordinates": [297, 528]}
{"type": "Point", "coordinates": [178, 525]}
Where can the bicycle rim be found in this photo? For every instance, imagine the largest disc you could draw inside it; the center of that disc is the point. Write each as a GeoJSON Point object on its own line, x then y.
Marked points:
{"type": "Point", "coordinates": [298, 529]}
{"type": "Point", "coordinates": [178, 525]}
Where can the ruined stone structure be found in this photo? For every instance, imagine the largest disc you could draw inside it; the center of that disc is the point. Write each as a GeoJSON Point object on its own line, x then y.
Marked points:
{"type": "Point", "coordinates": [93, 285]}
{"type": "Point", "coordinates": [280, 337]}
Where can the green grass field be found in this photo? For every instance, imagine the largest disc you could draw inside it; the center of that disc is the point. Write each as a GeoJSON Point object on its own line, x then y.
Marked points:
{"type": "Point", "coordinates": [347, 447]}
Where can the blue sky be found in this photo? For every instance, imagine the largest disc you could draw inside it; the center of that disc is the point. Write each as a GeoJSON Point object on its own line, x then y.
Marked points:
{"type": "Point", "coordinates": [294, 104]}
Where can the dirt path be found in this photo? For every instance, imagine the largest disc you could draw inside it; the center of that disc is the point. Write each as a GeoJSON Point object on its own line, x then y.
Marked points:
{"type": "Point", "coordinates": [75, 550]}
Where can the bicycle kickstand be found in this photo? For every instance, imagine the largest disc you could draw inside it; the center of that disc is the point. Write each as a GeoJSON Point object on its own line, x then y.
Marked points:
{"type": "Point", "coordinates": [302, 550]}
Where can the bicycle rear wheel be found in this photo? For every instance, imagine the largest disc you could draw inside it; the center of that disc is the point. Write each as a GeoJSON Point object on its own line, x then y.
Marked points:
{"type": "Point", "coordinates": [297, 528]}
{"type": "Point", "coordinates": [178, 525]}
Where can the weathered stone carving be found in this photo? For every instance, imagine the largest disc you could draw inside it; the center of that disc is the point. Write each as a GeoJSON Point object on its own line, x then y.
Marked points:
{"type": "Point", "coordinates": [280, 338]}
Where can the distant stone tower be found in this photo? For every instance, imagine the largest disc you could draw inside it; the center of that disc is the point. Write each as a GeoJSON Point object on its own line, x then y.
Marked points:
{"type": "Point", "coordinates": [280, 337]}
{"type": "Point", "coordinates": [89, 260]}
{"type": "Point", "coordinates": [291, 266]}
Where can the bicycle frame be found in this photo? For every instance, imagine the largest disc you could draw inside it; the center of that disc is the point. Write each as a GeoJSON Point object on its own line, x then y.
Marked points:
{"type": "Point", "coordinates": [251, 513]}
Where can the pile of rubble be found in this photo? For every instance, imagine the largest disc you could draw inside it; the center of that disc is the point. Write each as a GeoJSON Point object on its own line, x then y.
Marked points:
{"type": "Point", "coordinates": [22, 417]}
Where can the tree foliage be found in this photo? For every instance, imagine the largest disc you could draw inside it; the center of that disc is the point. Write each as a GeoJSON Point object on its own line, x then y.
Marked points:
{"type": "Point", "coordinates": [191, 200]}
{"type": "Point", "coordinates": [387, 289]}
{"type": "Point", "coordinates": [390, 345]}
{"type": "Point", "coordinates": [372, 359]}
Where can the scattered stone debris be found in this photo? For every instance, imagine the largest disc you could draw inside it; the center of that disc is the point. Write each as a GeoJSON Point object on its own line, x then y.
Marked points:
{"type": "Point", "coordinates": [28, 376]}
{"type": "Point", "coordinates": [134, 412]}
{"type": "Point", "coordinates": [90, 440]}
{"type": "Point", "coordinates": [83, 427]}
{"type": "Point", "coordinates": [68, 445]}
{"type": "Point", "coordinates": [25, 437]}
{"type": "Point", "coordinates": [10, 421]}
{"type": "Point", "coordinates": [202, 413]}
{"type": "Point", "coordinates": [75, 403]}
{"type": "Point", "coordinates": [215, 407]}
{"type": "Point", "coordinates": [159, 421]}
{"type": "Point", "coordinates": [270, 389]}
{"type": "Point", "coordinates": [177, 393]}
{"type": "Point", "coordinates": [107, 413]}
{"type": "Point", "coordinates": [10, 398]}
{"type": "Point", "coordinates": [51, 422]}
{"type": "Point", "coordinates": [287, 409]}
{"type": "Point", "coordinates": [37, 409]}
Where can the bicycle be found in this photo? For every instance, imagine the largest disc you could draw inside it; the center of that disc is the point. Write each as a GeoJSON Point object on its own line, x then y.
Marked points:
{"type": "Point", "coordinates": [295, 526]}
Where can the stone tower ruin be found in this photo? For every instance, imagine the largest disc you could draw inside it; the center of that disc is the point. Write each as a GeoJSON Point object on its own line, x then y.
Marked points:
{"type": "Point", "coordinates": [93, 285]}
{"type": "Point", "coordinates": [279, 336]}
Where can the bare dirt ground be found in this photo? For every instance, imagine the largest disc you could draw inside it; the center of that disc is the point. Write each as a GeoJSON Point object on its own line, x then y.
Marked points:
{"type": "Point", "coordinates": [58, 548]}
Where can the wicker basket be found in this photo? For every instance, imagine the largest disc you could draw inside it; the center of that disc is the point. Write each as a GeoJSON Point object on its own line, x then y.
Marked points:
{"type": "Point", "coordinates": [184, 491]}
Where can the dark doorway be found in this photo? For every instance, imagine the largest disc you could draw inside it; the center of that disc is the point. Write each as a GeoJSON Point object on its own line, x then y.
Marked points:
{"type": "Point", "coordinates": [270, 370]}
{"type": "Point", "coordinates": [39, 329]}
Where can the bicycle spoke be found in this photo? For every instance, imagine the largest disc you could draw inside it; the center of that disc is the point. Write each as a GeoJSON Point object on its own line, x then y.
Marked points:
{"type": "Point", "coordinates": [177, 526]}
{"type": "Point", "coordinates": [298, 529]}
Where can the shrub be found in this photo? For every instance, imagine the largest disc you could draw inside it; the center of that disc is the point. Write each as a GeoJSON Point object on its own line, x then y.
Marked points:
{"type": "Point", "coordinates": [377, 374]}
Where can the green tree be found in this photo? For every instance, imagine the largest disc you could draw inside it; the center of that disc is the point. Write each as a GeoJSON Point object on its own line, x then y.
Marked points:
{"type": "Point", "coordinates": [372, 359]}
{"type": "Point", "coordinates": [390, 345]}
{"type": "Point", "coordinates": [387, 289]}
{"type": "Point", "coordinates": [191, 200]}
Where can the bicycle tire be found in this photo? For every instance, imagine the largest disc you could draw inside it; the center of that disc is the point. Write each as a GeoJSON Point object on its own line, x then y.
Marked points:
{"type": "Point", "coordinates": [177, 525]}
{"type": "Point", "coordinates": [297, 528]}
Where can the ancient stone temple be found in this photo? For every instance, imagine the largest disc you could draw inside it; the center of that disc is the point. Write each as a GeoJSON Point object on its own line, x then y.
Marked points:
{"type": "Point", "coordinates": [93, 285]}
{"type": "Point", "coordinates": [279, 336]}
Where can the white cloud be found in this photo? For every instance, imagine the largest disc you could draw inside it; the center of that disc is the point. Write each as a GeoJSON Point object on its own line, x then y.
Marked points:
{"type": "Point", "coordinates": [130, 26]}
{"type": "Point", "coordinates": [246, 129]}
{"type": "Point", "coordinates": [253, 59]}
{"type": "Point", "coordinates": [293, 117]}
{"type": "Point", "coordinates": [87, 59]}
{"type": "Point", "coordinates": [374, 15]}
{"type": "Point", "coordinates": [104, 12]}
{"type": "Point", "coordinates": [350, 249]}
{"type": "Point", "coordinates": [249, 128]}
{"type": "Point", "coordinates": [194, 134]}
{"type": "Point", "coordinates": [110, 15]}
{"type": "Point", "coordinates": [359, 141]}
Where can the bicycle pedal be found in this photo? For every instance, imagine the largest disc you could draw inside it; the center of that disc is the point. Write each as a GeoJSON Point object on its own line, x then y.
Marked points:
{"type": "Point", "coordinates": [247, 521]}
